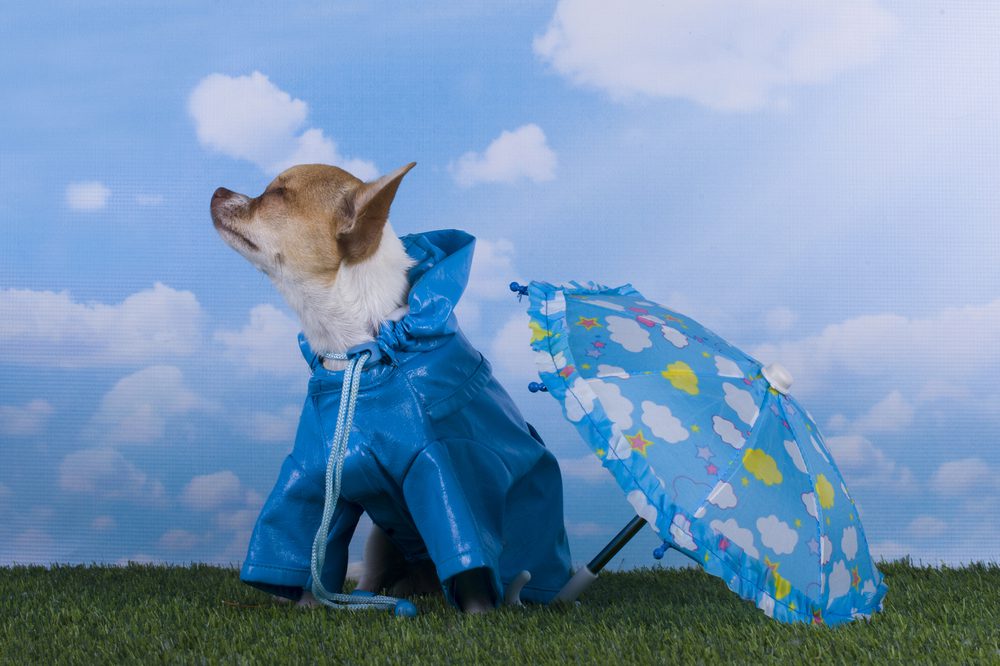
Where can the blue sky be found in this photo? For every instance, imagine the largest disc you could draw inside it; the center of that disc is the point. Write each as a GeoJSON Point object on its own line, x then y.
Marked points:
{"type": "Point", "coordinates": [819, 185]}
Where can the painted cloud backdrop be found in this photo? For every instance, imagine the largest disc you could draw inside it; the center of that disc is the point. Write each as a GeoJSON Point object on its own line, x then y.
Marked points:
{"type": "Point", "coordinates": [816, 184]}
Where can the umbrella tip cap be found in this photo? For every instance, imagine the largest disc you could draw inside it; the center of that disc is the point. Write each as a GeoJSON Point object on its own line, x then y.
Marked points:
{"type": "Point", "coordinates": [778, 377]}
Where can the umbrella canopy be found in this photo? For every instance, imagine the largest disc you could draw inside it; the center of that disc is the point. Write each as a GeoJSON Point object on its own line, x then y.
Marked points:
{"type": "Point", "coordinates": [709, 448]}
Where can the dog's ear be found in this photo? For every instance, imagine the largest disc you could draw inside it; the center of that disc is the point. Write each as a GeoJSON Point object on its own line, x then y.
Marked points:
{"type": "Point", "coordinates": [367, 212]}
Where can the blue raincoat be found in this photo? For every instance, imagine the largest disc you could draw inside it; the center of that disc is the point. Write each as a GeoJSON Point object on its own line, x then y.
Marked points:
{"type": "Point", "coordinates": [439, 456]}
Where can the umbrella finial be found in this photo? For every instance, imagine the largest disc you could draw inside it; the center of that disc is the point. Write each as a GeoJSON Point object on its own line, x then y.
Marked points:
{"type": "Point", "coordinates": [778, 377]}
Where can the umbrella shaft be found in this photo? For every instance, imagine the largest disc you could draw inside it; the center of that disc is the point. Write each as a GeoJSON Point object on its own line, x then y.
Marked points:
{"type": "Point", "coordinates": [616, 544]}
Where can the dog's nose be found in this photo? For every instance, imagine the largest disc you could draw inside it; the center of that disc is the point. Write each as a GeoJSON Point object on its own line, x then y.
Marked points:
{"type": "Point", "coordinates": [222, 193]}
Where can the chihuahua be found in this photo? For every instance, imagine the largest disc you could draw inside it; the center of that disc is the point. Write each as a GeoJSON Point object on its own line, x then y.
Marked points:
{"type": "Point", "coordinates": [323, 237]}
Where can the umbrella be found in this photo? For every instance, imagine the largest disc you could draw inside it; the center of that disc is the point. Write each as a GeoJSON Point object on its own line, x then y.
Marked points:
{"type": "Point", "coordinates": [710, 450]}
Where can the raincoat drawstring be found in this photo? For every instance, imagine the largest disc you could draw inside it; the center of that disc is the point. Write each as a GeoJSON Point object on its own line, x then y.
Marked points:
{"type": "Point", "coordinates": [334, 470]}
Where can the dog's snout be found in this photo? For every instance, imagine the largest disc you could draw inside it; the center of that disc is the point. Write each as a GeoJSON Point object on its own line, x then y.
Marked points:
{"type": "Point", "coordinates": [222, 193]}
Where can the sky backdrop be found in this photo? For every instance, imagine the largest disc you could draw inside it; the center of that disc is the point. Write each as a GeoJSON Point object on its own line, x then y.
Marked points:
{"type": "Point", "coordinates": [817, 182]}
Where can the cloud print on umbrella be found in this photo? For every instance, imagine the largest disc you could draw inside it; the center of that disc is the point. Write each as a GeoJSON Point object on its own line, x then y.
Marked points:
{"type": "Point", "coordinates": [756, 528]}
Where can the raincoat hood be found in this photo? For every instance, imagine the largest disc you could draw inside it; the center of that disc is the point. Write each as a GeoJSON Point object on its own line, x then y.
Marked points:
{"type": "Point", "coordinates": [437, 280]}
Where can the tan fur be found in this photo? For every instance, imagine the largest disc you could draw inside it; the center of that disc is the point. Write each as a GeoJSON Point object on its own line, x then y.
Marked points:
{"type": "Point", "coordinates": [311, 217]}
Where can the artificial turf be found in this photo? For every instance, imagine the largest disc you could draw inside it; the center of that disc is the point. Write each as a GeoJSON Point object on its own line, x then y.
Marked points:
{"type": "Point", "coordinates": [203, 614]}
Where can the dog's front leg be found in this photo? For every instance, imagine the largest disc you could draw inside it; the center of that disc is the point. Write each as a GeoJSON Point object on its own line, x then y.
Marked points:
{"type": "Point", "coordinates": [383, 562]}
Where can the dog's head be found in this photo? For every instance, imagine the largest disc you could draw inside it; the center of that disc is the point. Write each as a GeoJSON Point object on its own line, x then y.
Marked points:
{"type": "Point", "coordinates": [311, 219]}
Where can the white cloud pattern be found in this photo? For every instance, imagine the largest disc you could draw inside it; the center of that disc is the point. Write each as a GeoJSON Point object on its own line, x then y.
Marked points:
{"type": "Point", "coordinates": [662, 423]}
{"type": "Point", "coordinates": [628, 333]}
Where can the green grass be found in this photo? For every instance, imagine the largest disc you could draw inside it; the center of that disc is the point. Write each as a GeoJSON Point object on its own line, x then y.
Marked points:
{"type": "Point", "coordinates": [147, 614]}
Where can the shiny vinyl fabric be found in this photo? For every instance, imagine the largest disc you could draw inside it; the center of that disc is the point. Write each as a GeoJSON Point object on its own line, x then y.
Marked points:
{"type": "Point", "coordinates": [439, 456]}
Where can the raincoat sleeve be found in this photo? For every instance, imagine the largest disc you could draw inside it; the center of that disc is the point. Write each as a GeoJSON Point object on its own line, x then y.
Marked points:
{"type": "Point", "coordinates": [280, 550]}
{"type": "Point", "coordinates": [445, 520]}
{"type": "Point", "coordinates": [345, 520]}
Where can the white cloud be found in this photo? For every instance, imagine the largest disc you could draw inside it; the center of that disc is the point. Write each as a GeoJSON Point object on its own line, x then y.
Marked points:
{"type": "Point", "coordinates": [722, 496]}
{"type": "Point", "coordinates": [889, 550]}
{"type": "Point", "coordinates": [742, 402]}
{"type": "Point", "coordinates": [680, 530]}
{"type": "Point", "coordinates": [178, 540]}
{"type": "Point", "coordinates": [91, 195]}
{"type": "Point", "coordinates": [240, 521]}
{"type": "Point", "coordinates": [103, 523]}
{"type": "Point", "coordinates": [250, 118]}
{"type": "Point", "coordinates": [103, 472]}
{"type": "Point", "coordinates": [25, 420]}
{"type": "Point", "coordinates": [137, 558]}
{"type": "Point", "coordinates": [643, 508]}
{"type": "Point", "coordinates": [579, 400]}
{"type": "Point", "coordinates": [727, 367]}
{"type": "Point", "coordinates": [608, 305]}
{"type": "Point", "coordinates": [520, 154]}
{"type": "Point", "coordinates": [662, 423]}
{"type": "Point", "coordinates": [211, 492]}
{"type": "Point", "coordinates": [825, 549]}
{"type": "Point", "coordinates": [837, 422]}
{"type": "Point", "coordinates": [968, 476]}
{"type": "Point", "coordinates": [926, 527]}
{"type": "Point", "coordinates": [137, 408]}
{"type": "Point", "coordinates": [510, 352]}
{"type": "Point", "coordinates": [779, 320]}
{"type": "Point", "coordinates": [796, 455]}
{"type": "Point", "coordinates": [584, 468]}
{"type": "Point", "coordinates": [840, 581]}
{"type": "Point", "coordinates": [611, 371]}
{"type": "Point", "coordinates": [492, 270]}
{"type": "Point", "coordinates": [812, 506]}
{"type": "Point", "coordinates": [728, 432]}
{"type": "Point", "coordinates": [267, 343]}
{"type": "Point", "coordinates": [618, 408]}
{"type": "Point", "coordinates": [741, 536]}
{"type": "Point", "coordinates": [628, 333]}
{"type": "Point", "coordinates": [884, 345]}
{"type": "Point", "coordinates": [725, 57]}
{"type": "Point", "coordinates": [866, 466]}
{"type": "Point", "coordinates": [675, 337]}
{"type": "Point", "coordinates": [149, 200]}
{"type": "Point", "coordinates": [35, 545]}
{"type": "Point", "coordinates": [892, 413]}
{"type": "Point", "coordinates": [51, 328]}
{"type": "Point", "coordinates": [274, 426]}
{"type": "Point", "coordinates": [849, 542]}
{"type": "Point", "coordinates": [586, 528]}
{"type": "Point", "coordinates": [777, 535]}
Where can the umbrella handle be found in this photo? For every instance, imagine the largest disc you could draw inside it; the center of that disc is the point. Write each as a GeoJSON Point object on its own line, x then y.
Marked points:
{"type": "Point", "coordinates": [586, 575]}
{"type": "Point", "coordinates": [580, 581]}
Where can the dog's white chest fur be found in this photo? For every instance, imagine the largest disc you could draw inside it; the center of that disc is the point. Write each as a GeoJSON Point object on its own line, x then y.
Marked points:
{"type": "Point", "coordinates": [338, 316]}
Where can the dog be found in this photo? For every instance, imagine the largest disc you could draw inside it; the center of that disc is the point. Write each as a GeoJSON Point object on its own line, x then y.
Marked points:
{"type": "Point", "coordinates": [457, 504]}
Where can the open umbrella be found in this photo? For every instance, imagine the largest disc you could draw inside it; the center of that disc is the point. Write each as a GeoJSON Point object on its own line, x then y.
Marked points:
{"type": "Point", "coordinates": [709, 449]}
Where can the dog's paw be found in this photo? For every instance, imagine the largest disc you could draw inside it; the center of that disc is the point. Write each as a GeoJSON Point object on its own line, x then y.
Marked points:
{"type": "Point", "coordinates": [307, 600]}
